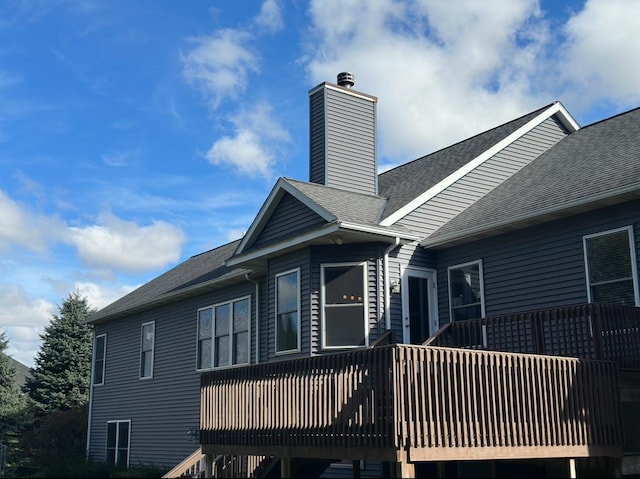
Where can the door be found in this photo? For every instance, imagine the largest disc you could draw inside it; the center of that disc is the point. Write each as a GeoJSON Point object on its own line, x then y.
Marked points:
{"type": "Point", "coordinates": [419, 304]}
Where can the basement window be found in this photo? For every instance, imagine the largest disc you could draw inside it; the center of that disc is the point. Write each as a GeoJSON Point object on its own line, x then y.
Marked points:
{"type": "Point", "coordinates": [610, 267]}
{"type": "Point", "coordinates": [344, 305]}
{"type": "Point", "coordinates": [118, 438]}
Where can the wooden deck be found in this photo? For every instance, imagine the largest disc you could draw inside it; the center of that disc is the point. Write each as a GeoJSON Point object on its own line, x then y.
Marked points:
{"type": "Point", "coordinates": [406, 403]}
{"type": "Point", "coordinates": [590, 331]}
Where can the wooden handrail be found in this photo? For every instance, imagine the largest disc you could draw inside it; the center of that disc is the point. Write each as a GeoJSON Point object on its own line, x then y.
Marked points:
{"type": "Point", "coordinates": [434, 403]}
{"type": "Point", "coordinates": [590, 331]}
{"type": "Point", "coordinates": [192, 466]}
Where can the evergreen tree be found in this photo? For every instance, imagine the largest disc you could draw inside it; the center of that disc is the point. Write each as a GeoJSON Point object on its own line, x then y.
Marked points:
{"type": "Point", "coordinates": [60, 378]}
{"type": "Point", "coordinates": [12, 402]}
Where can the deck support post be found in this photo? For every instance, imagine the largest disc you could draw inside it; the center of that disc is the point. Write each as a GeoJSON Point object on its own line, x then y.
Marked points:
{"type": "Point", "coordinates": [208, 465]}
{"type": "Point", "coordinates": [356, 469]}
{"type": "Point", "coordinates": [285, 467]}
{"type": "Point", "coordinates": [404, 469]}
{"type": "Point", "coordinates": [572, 468]}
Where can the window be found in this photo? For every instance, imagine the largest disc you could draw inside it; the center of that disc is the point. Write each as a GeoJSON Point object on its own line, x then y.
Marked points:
{"type": "Point", "coordinates": [146, 350]}
{"type": "Point", "coordinates": [288, 312]}
{"type": "Point", "coordinates": [223, 334]}
{"type": "Point", "coordinates": [344, 305]}
{"type": "Point", "coordinates": [466, 298]}
{"type": "Point", "coordinates": [610, 267]}
{"type": "Point", "coordinates": [99, 352]}
{"type": "Point", "coordinates": [118, 435]}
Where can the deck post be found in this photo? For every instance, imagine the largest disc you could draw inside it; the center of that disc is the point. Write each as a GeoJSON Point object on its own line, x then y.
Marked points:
{"type": "Point", "coordinates": [285, 467]}
{"type": "Point", "coordinates": [356, 469]}
{"type": "Point", "coordinates": [572, 468]}
{"type": "Point", "coordinates": [404, 469]}
{"type": "Point", "coordinates": [208, 465]}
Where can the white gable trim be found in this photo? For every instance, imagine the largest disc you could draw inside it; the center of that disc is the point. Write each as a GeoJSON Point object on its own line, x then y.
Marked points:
{"type": "Point", "coordinates": [282, 186]}
{"type": "Point", "coordinates": [557, 108]}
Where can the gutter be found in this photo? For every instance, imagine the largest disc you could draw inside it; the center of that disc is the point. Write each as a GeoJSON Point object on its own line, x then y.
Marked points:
{"type": "Point", "coordinates": [257, 294]}
{"type": "Point", "coordinates": [387, 293]}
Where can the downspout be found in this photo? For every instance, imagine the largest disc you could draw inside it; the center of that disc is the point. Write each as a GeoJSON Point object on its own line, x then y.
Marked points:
{"type": "Point", "coordinates": [387, 293]}
{"type": "Point", "coordinates": [257, 294]}
{"type": "Point", "coordinates": [93, 347]}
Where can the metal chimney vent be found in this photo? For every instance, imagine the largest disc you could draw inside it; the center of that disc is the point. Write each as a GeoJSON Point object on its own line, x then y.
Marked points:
{"type": "Point", "coordinates": [346, 79]}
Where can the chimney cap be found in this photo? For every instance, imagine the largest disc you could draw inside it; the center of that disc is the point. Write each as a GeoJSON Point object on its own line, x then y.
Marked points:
{"type": "Point", "coordinates": [346, 79]}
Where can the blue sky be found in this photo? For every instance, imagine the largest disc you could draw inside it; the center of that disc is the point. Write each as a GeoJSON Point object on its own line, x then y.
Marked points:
{"type": "Point", "coordinates": [134, 134]}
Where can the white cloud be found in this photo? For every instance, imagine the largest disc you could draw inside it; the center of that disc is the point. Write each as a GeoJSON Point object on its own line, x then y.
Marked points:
{"type": "Point", "coordinates": [19, 226]}
{"type": "Point", "coordinates": [253, 148]}
{"type": "Point", "coordinates": [601, 58]}
{"type": "Point", "coordinates": [115, 244]}
{"type": "Point", "coordinates": [219, 65]}
{"type": "Point", "coordinates": [23, 318]}
{"type": "Point", "coordinates": [446, 70]}
{"type": "Point", "coordinates": [118, 158]}
{"type": "Point", "coordinates": [99, 295]}
{"type": "Point", "coordinates": [270, 16]}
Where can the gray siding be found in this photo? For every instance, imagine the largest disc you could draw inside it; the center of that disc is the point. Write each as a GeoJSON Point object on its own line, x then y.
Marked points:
{"type": "Point", "coordinates": [464, 192]}
{"type": "Point", "coordinates": [410, 255]}
{"type": "Point", "coordinates": [372, 254]}
{"type": "Point", "coordinates": [163, 408]}
{"type": "Point", "coordinates": [342, 139]}
{"type": "Point", "coordinates": [291, 217]}
{"type": "Point", "coordinates": [281, 264]}
{"type": "Point", "coordinates": [538, 267]}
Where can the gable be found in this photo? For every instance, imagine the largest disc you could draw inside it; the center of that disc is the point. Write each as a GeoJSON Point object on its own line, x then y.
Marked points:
{"type": "Point", "coordinates": [476, 183]}
{"type": "Point", "coordinates": [290, 217]}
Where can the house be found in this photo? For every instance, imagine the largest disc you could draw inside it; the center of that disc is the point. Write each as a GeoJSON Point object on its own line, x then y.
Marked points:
{"type": "Point", "coordinates": [476, 309]}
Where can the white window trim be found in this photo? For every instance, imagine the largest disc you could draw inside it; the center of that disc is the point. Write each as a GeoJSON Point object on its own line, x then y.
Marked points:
{"type": "Point", "coordinates": [284, 273]}
{"type": "Point", "coordinates": [365, 301]}
{"type": "Point", "coordinates": [480, 273]}
{"type": "Point", "coordinates": [213, 308]}
{"type": "Point", "coordinates": [153, 348]}
{"type": "Point", "coordinates": [632, 255]}
{"type": "Point", "coordinates": [104, 359]}
{"type": "Point", "coordinates": [106, 446]}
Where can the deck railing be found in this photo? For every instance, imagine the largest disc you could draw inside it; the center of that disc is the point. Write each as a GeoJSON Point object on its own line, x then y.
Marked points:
{"type": "Point", "coordinates": [590, 331]}
{"type": "Point", "coordinates": [430, 403]}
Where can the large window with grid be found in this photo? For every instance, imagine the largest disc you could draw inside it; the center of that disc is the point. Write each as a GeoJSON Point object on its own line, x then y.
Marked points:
{"type": "Point", "coordinates": [224, 334]}
{"type": "Point", "coordinates": [611, 270]}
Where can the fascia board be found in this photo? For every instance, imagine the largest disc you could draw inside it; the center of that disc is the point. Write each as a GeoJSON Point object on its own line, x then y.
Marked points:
{"type": "Point", "coordinates": [379, 231]}
{"type": "Point", "coordinates": [486, 228]}
{"type": "Point", "coordinates": [281, 186]}
{"type": "Point", "coordinates": [281, 245]}
{"type": "Point", "coordinates": [556, 108]}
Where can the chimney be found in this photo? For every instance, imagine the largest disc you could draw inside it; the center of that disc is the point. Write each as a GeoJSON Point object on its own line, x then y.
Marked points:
{"type": "Point", "coordinates": [342, 136]}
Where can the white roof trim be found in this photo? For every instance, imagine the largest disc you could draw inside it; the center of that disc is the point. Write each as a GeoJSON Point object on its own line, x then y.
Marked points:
{"type": "Point", "coordinates": [444, 239]}
{"type": "Point", "coordinates": [280, 245]}
{"type": "Point", "coordinates": [282, 185]}
{"type": "Point", "coordinates": [379, 231]}
{"type": "Point", "coordinates": [556, 108]}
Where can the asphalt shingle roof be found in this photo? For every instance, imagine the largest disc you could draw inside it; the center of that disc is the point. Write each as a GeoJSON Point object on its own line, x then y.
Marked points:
{"type": "Point", "coordinates": [198, 269]}
{"type": "Point", "coordinates": [599, 159]}
{"type": "Point", "coordinates": [406, 182]}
